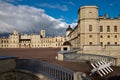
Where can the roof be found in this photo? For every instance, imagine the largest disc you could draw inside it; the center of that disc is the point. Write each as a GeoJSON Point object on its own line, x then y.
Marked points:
{"type": "Point", "coordinates": [89, 6]}
{"type": "Point", "coordinates": [67, 43]}
{"type": "Point", "coordinates": [69, 28]}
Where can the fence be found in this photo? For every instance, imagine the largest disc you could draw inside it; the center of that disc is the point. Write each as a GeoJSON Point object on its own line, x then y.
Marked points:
{"type": "Point", "coordinates": [88, 57]}
{"type": "Point", "coordinates": [55, 72]}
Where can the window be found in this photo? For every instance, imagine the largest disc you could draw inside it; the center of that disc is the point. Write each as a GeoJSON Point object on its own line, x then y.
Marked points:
{"type": "Point", "coordinates": [115, 36]}
{"type": "Point", "coordinates": [90, 27]}
{"type": "Point", "coordinates": [101, 28]}
{"type": "Point", "coordinates": [101, 36]}
{"type": "Point", "coordinates": [108, 43]}
{"type": "Point", "coordinates": [108, 28]}
{"type": "Point", "coordinates": [90, 43]}
{"type": "Point", "coordinates": [115, 43]}
{"type": "Point", "coordinates": [115, 28]}
{"type": "Point", "coordinates": [90, 36]}
{"type": "Point", "coordinates": [108, 36]}
{"type": "Point", "coordinates": [101, 43]}
{"type": "Point", "coordinates": [65, 48]}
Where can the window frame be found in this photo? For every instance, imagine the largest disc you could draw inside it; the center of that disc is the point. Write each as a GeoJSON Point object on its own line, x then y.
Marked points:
{"type": "Point", "coordinates": [108, 28]}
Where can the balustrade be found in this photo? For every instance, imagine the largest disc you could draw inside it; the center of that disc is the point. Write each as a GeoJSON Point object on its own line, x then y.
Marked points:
{"type": "Point", "coordinates": [51, 70]}
{"type": "Point", "coordinates": [89, 57]}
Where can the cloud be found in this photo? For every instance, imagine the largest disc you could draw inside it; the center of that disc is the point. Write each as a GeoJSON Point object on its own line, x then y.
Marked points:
{"type": "Point", "coordinates": [11, 1]}
{"type": "Point", "coordinates": [71, 3]}
{"type": "Point", "coordinates": [28, 19]}
{"type": "Point", "coordinates": [54, 6]}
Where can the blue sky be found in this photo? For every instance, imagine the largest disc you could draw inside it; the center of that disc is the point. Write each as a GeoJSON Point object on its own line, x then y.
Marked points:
{"type": "Point", "coordinates": [67, 9]}
{"type": "Point", "coordinates": [62, 11]}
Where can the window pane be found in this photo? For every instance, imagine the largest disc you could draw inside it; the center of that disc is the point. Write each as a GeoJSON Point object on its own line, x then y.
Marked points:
{"type": "Point", "coordinates": [90, 43]}
{"type": "Point", "coordinates": [115, 28]}
{"type": "Point", "coordinates": [116, 43]}
{"type": "Point", "coordinates": [90, 27]}
{"type": "Point", "coordinates": [108, 43]}
{"type": "Point", "coordinates": [108, 28]}
{"type": "Point", "coordinates": [101, 28]}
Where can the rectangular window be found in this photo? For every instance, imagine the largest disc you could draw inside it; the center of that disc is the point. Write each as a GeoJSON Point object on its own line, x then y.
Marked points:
{"type": "Point", "coordinates": [115, 28]}
{"type": "Point", "coordinates": [101, 28]}
{"type": "Point", "coordinates": [108, 28]}
{"type": "Point", "coordinates": [90, 27]}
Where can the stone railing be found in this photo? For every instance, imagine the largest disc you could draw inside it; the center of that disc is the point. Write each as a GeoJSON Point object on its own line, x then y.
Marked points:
{"type": "Point", "coordinates": [54, 72]}
{"type": "Point", "coordinates": [88, 57]}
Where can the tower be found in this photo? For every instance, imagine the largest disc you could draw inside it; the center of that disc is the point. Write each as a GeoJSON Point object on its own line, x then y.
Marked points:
{"type": "Point", "coordinates": [42, 32]}
{"type": "Point", "coordinates": [68, 30]}
{"type": "Point", "coordinates": [88, 12]}
{"type": "Point", "coordinates": [88, 25]}
{"type": "Point", "coordinates": [15, 32]}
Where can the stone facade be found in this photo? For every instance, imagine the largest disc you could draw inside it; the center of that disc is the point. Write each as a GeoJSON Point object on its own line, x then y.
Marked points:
{"type": "Point", "coordinates": [96, 34]}
{"type": "Point", "coordinates": [94, 30]}
{"type": "Point", "coordinates": [31, 41]}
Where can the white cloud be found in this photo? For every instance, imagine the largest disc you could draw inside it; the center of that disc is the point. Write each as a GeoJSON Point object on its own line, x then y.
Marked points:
{"type": "Point", "coordinates": [71, 3]}
{"type": "Point", "coordinates": [54, 6]}
{"type": "Point", "coordinates": [28, 19]}
{"type": "Point", "coordinates": [73, 25]}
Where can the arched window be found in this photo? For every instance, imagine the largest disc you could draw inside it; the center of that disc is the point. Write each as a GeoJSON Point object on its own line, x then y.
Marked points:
{"type": "Point", "coordinates": [108, 28]}
{"type": "Point", "coordinates": [115, 36]}
{"type": "Point", "coordinates": [101, 28]}
{"type": "Point", "coordinates": [115, 43]}
{"type": "Point", "coordinates": [90, 43]}
{"type": "Point", "coordinates": [108, 43]}
{"type": "Point", "coordinates": [101, 43]}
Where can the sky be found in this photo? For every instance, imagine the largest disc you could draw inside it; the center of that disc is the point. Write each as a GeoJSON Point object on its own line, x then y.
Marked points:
{"type": "Point", "coordinates": [29, 16]}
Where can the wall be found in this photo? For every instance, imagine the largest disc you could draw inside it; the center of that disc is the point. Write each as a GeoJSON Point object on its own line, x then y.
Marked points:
{"type": "Point", "coordinates": [110, 50]}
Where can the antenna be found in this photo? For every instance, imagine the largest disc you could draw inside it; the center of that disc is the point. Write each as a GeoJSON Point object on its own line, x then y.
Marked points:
{"type": "Point", "coordinates": [102, 68]}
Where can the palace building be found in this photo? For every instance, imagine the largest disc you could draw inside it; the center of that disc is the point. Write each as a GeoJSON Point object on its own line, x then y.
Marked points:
{"type": "Point", "coordinates": [93, 33]}
{"type": "Point", "coordinates": [31, 41]}
{"type": "Point", "coordinates": [93, 29]}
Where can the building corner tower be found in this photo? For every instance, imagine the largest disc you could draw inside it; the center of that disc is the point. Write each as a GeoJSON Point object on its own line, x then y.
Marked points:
{"type": "Point", "coordinates": [88, 25]}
